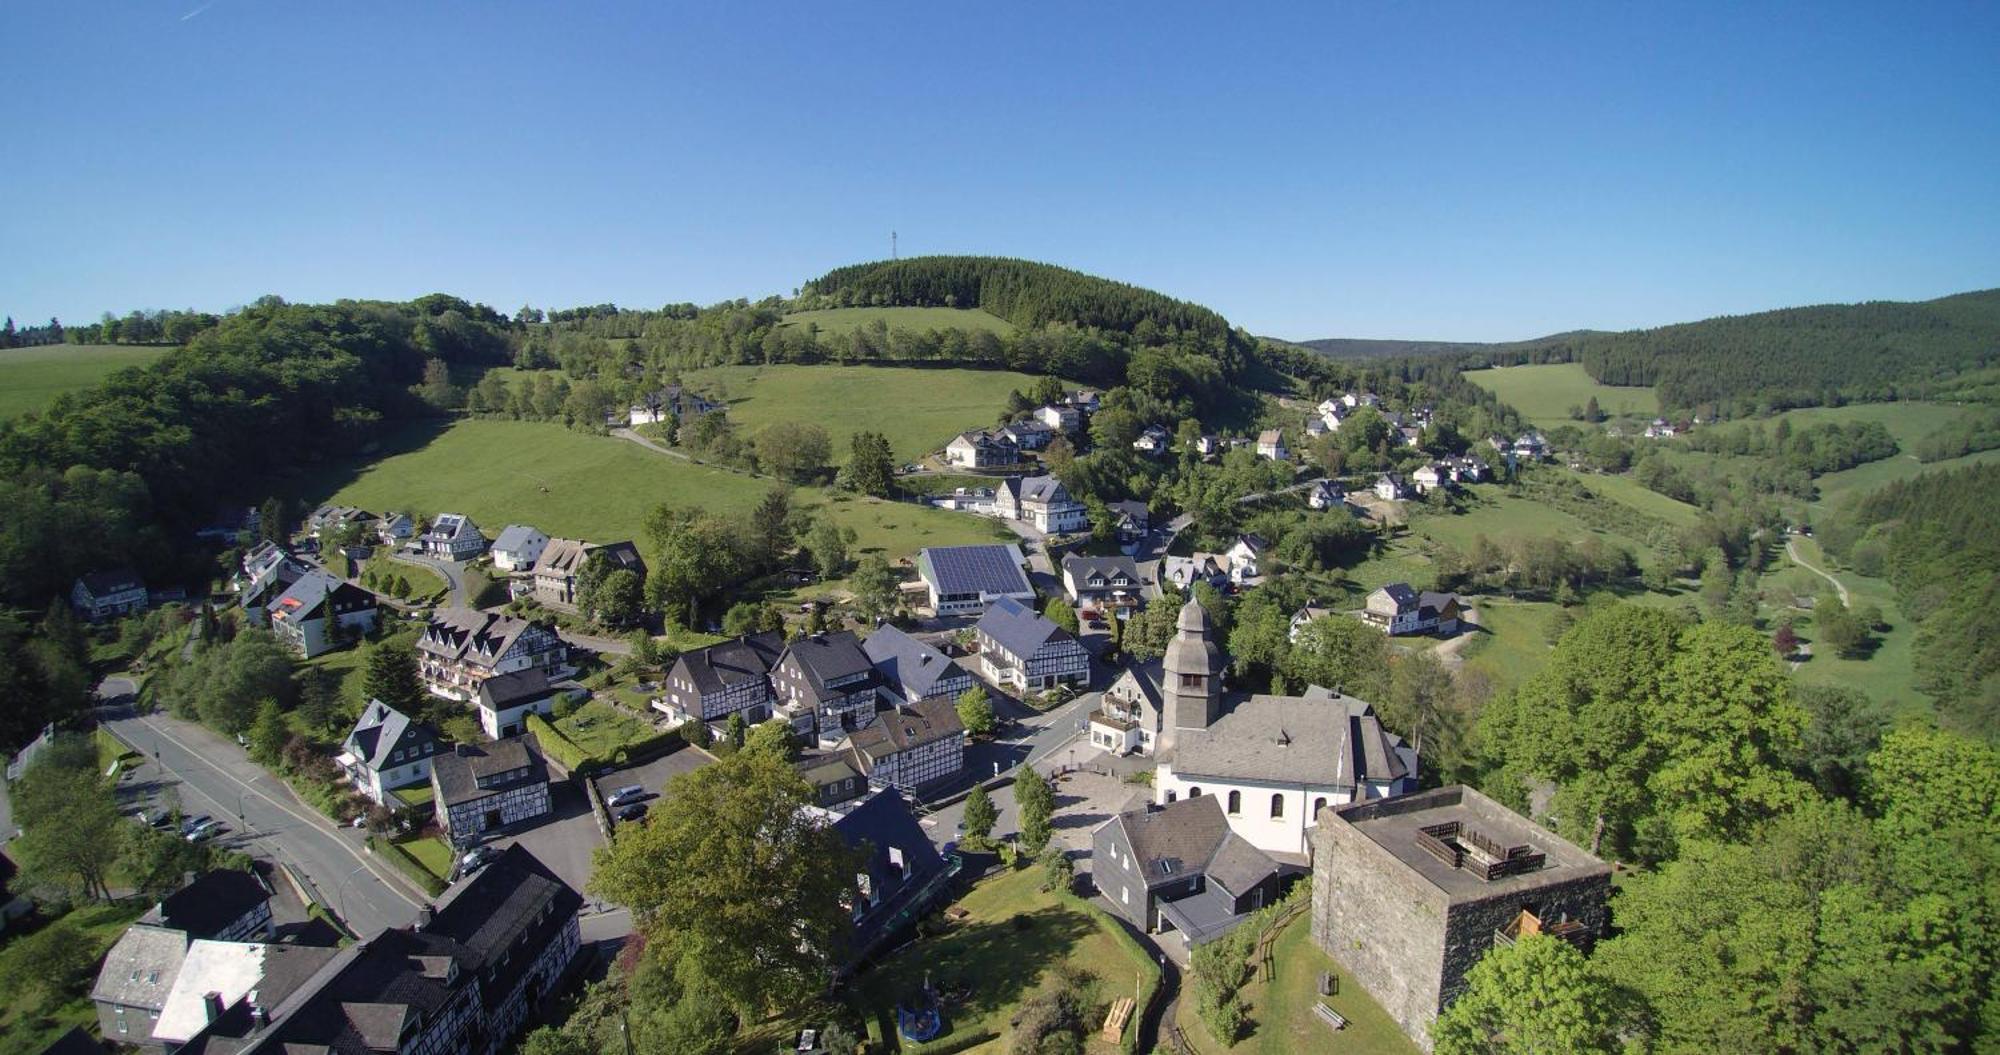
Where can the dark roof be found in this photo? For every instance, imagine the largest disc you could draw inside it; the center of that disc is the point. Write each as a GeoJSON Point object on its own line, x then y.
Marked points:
{"type": "Point", "coordinates": [212, 902]}
{"type": "Point", "coordinates": [908, 663]}
{"type": "Point", "coordinates": [880, 822]}
{"type": "Point", "coordinates": [1402, 594]}
{"type": "Point", "coordinates": [508, 690]}
{"type": "Point", "coordinates": [717, 667]}
{"type": "Point", "coordinates": [829, 657]}
{"type": "Point", "coordinates": [458, 772]}
{"type": "Point", "coordinates": [380, 730]}
{"type": "Point", "coordinates": [74, 1042]}
{"type": "Point", "coordinates": [1191, 837]}
{"type": "Point", "coordinates": [992, 570]}
{"type": "Point", "coordinates": [1432, 602]}
{"type": "Point", "coordinates": [621, 555]}
{"type": "Point", "coordinates": [117, 580]}
{"type": "Point", "coordinates": [1083, 567]}
{"type": "Point", "coordinates": [1018, 628]}
{"type": "Point", "coordinates": [902, 728]}
{"type": "Point", "coordinates": [515, 897]}
{"type": "Point", "coordinates": [1130, 508]}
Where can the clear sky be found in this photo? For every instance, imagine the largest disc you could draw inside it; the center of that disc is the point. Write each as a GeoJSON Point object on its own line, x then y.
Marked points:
{"type": "Point", "coordinates": [1420, 170]}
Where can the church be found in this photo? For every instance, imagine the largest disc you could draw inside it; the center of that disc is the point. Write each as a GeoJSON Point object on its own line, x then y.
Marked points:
{"type": "Point", "coordinates": [1272, 762]}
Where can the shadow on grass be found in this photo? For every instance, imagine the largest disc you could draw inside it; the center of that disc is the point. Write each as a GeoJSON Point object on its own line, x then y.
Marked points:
{"type": "Point", "coordinates": [998, 961]}
{"type": "Point", "coordinates": [313, 484]}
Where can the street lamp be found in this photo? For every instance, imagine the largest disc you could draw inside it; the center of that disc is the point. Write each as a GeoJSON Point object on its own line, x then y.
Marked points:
{"type": "Point", "coordinates": [340, 901]}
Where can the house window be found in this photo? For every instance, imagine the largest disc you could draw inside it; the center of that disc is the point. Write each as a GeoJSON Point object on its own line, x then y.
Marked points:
{"type": "Point", "coordinates": [1277, 805]}
{"type": "Point", "coordinates": [1235, 802]}
{"type": "Point", "coordinates": [1318, 805]}
{"type": "Point", "coordinates": [1172, 796]}
{"type": "Point", "coordinates": [1125, 894]}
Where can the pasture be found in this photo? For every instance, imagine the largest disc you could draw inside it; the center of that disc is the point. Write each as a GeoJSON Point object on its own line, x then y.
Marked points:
{"type": "Point", "coordinates": [838, 322]}
{"type": "Point", "coordinates": [576, 485]}
{"type": "Point", "coordinates": [1545, 393]}
{"type": "Point", "coordinates": [1628, 491]}
{"type": "Point", "coordinates": [31, 378]}
{"type": "Point", "coordinates": [918, 409]}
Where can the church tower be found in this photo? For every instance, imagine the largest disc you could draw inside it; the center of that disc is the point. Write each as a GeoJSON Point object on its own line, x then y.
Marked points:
{"type": "Point", "coordinates": [1190, 677]}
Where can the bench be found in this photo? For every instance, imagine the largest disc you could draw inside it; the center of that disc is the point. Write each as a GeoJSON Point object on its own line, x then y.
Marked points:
{"type": "Point", "coordinates": [1330, 1016]}
{"type": "Point", "coordinates": [1114, 1022]}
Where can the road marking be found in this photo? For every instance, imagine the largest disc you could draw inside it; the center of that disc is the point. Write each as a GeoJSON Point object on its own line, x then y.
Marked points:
{"type": "Point", "coordinates": [317, 823]}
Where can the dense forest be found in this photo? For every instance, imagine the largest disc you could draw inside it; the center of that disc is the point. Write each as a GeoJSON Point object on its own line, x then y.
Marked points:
{"type": "Point", "coordinates": [1932, 537]}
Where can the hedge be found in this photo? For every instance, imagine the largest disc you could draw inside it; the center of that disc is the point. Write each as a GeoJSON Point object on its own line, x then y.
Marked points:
{"type": "Point", "coordinates": [407, 865]}
{"type": "Point", "coordinates": [559, 747]}
{"type": "Point", "coordinates": [1129, 1042]}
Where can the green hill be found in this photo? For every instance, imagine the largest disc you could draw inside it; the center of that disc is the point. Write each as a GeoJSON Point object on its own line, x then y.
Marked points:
{"type": "Point", "coordinates": [835, 322]}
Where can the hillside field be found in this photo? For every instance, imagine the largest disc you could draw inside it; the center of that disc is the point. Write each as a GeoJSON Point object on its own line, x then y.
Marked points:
{"type": "Point", "coordinates": [576, 485]}
{"type": "Point", "coordinates": [919, 409]}
{"type": "Point", "coordinates": [835, 322]}
{"type": "Point", "coordinates": [1544, 393]}
{"type": "Point", "coordinates": [31, 378]}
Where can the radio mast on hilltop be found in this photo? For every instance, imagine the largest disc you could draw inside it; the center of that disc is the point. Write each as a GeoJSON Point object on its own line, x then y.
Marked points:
{"type": "Point", "coordinates": [892, 245]}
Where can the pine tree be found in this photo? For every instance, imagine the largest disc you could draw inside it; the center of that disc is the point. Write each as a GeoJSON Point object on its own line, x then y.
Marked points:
{"type": "Point", "coordinates": [980, 814]}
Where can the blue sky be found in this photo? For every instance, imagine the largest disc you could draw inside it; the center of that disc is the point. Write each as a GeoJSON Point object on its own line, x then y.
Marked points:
{"type": "Point", "coordinates": [1477, 171]}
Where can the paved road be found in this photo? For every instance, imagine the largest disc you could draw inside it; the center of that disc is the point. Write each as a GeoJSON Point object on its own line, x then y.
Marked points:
{"type": "Point", "coordinates": [213, 775]}
{"type": "Point", "coordinates": [1792, 552]}
{"type": "Point", "coordinates": [611, 645]}
{"type": "Point", "coordinates": [451, 572]}
{"type": "Point", "coordinates": [1041, 741]}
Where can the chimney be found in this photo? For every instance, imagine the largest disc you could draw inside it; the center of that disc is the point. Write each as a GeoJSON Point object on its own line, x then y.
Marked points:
{"type": "Point", "coordinates": [424, 916]}
{"type": "Point", "coordinates": [211, 1005]}
{"type": "Point", "coordinates": [259, 1015]}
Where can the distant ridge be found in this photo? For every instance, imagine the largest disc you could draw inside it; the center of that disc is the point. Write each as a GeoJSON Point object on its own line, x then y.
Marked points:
{"type": "Point", "coordinates": [1366, 348]}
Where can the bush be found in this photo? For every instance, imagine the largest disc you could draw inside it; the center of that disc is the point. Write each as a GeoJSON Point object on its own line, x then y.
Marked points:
{"type": "Point", "coordinates": [1058, 871]}
{"type": "Point", "coordinates": [409, 866]}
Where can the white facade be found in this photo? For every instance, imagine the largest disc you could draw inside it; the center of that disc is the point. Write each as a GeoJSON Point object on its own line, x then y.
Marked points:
{"type": "Point", "coordinates": [1271, 815]}
{"type": "Point", "coordinates": [513, 721]}
{"type": "Point", "coordinates": [519, 548]}
{"type": "Point", "coordinates": [1061, 419]}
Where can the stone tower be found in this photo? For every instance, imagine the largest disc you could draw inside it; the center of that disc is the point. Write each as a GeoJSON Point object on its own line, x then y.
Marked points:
{"type": "Point", "coordinates": [1190, 677]}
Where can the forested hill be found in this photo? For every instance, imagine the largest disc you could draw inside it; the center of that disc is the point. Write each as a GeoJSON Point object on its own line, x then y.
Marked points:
{"type": "Point", "coordinates": [1023, 292]}
{"type": "Point", "coordinates": [1808, 356]}
{"type": "Point", "coordinates": [1363, 348]}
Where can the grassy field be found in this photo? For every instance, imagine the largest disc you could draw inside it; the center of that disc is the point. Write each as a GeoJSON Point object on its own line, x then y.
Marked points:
{"type": "Point", "coordinates": [601, 729]}
{"type": "Point", "coordinates": [1498, 516]}
{"type": "Point", "coordinates": [25, 1030]}
{"type": "Point", "coordinates": [575, 485]}
{"type": "Point", "coordinates": [31, 378]}
{"type": "Point", "coordinates": [1835, 488]}
{"type": "Point", "coordinates": [1543, 394]}
{"type": "Point", "coordinates": [1886, 673]}
{"type": "Point", "coordinates": [919, 409]}
{"type": "Point", "coordinates": [1281, 1008]}
{"type": "Point", "coordinates": [1004, 951]}
{"type": "Point", "coordinates": [1627, 490]}
{"type": "Point", "coordinates": [838, 321]}
{"type": "Point", "coordinates": [431, 852]}
{"type": "Point", "coordinates": [1513, 640]}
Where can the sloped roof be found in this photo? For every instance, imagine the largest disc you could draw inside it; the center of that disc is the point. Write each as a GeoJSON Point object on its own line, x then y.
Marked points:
{"type": "Point", "coordinates": [562, 556]}
{"type": "Point", "coordinates": [139, 970]}
{"type": "Point", "coordinates": [214, 900]}
{"type": "Point", "coordinates": [464, 634]}
{"type": "Point", "coordinates": [516, 537]}
{"type": "Point", "coordinates": [829, 657]}
{"type": "Point", "coordinates": [717, 667]}
{"type": "Point", "coordinates": [1083, 567]}
{"type": "Point", "coordinates": [1018, 628]}
{"type": "Point", "coordinates": [1401, 593]}
{"type": "Point", "coordinates": [908, 663]}
{"type": "Point", "coordinates": [507, 690]}
{"type": "Point", "coordinates": [514, 897]}
{"type": "Point", "coordinates": [993, 570]}
{"type": "Point", "coordinates": [457, 772]}
{"type": "Point", "coordinates": [1310, 739]}
{"type": "Point", "coordinates": [378, 731]}
{"type": "Point", "coordinates": [907, 726]}
{"type": "Point", "coordinates": [117, 580]}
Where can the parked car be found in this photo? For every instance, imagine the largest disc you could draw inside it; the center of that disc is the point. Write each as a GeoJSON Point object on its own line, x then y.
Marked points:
{"type": "Point", "coordinates": [189, 824]}
{"type": "Point", "coordinates": [621, 796]}
{"type": "Point", "coordinates": [206, 831]}
{"type": "Point", "coordinates": [475, 859]}
{"type": "Point", "coordinates": [633, 812]}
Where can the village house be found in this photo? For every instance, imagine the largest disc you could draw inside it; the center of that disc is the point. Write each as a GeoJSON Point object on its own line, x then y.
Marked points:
{"type": "Point", "coordinates": [482, 788]}
{"type": "Point", "coordinates": [552, 582]}
{"type": "Point", "coordinates": [1390, 487]}
{"type": "Point", "coordinates": [1087, 400]}
{"type": "Point", "coordinates": [733, 677]}
{"type": "Point", "coordinates": [1132, 517]}
{"type": "Point", "coordinates": [826, 686]}
{"type": "Point", "coordinates": [1179, 869]}
{"type": "Point", "coordinates": [1208, 445]}
{"type": "Point", "coordinates": [330, 520]}
{"type": "Point", "coordinates": [1041, 501]}
{"type": "Point", "coordinates": [1661, 429]}
{"type": "Point", "coordinates": [103, 595]}
{"type": "Point", "coordinates": [1021, 649]}
{"type": "Point", "coordinates": [453, 537]}
{"type": "Point", "coordinates": [318, 612]}
{"type": "Point", "coordinates": [1466, 469]}
{"type": "Point", "coordinates": [216, 974]}
{"type": "Point", "coordinates": [1430, 477]}
{"type": "Point", "coordinates": [387, 750]}
{"type": "Point", "coordinates": [1315, 427]}
{"type": "Point", "coordinates": [1409, 893]}
{"type": "Point", "coordinates": [394, 529]}
{"type": "Point", "coordinates": [1183, 572]}
{"type": "Point", "coordinates": [461, 647]}
{"type": "Point", "coordinates": [911, 746]}
{"type": "Point", "coordinates": [133, 983]}
{"type": "Point", "coordinates": [222, 904]}
{"type": "Point", "coordinates": [1153, 442]}
{"type": "Point", "coordinates": [1313, 610]}
{"type": "Point", "coordinates": [465, 979]}
{"type": "Point", "coordinates": [1410, 435]}
{"type": "Point", "coordinates": [1103, 582]}
{"type": "Point", "coordinates": [1399, 609]}
{"type": "Point", "coordinates": [833, 777]}
{"type": "Point", "coordinates": [980, 449]}
{"type": "Point", "coordinates": [505, 701]}
{"type": "Point", "coordinates": [1127, 719]}
{"type": "Point", "coordinates": [912, 670]}
{"type": "Point", "coordinates": [901, 872]}
{"type": "Point", "coordinates": [1271, 445]}
{"type": "Point", "coordinates": [1246, 556]}
{"type": "Point", "coordinates": [518, 548]}
{"type": "Point", "coordinates": [267, 573]}
{"type": "Point", "coordinates": [1064, 419]}
{"type": "Point", "coordinates": [1029, 435]}
{"type": "Point", "coordinates": [1326, 494]}
{"type": "Point", "coordinates": [963, 580]}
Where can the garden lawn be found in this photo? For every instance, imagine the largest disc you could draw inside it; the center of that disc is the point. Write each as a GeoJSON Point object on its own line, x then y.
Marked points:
{"type": "Point", "coordinates": [1281, 1008]}
{"type": "Point", "coordinates": [1545, 393]}
{"type": "Point", "coordinates": [1004, 964]}
{"type": "Point", "coordinates": [31, 378]}
{"type": "Point", "coordinates": [431, 852]}
{"type": "Point", "coordinates": [600, 729]}
{"type": "Point", "coordinates": [1512, 642]}
{"type": "Point", "coordinates": [840, 321]}
{"type": "Point", "coordinates": [417, 796]}
{"type": "Point", "coordinates": [917, 408]}
{"type": "Point", "coordinates": [25, 1033]}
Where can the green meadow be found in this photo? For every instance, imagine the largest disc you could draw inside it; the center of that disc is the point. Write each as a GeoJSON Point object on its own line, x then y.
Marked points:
{"type": "Point", "coordinates": [834, 322]}
{"type": "Point", "coordinates": [1544, 393]}
{"type": "Point", "coordinates": [917, 408]}
{"type": "Point", "coordinates": [31, 378]}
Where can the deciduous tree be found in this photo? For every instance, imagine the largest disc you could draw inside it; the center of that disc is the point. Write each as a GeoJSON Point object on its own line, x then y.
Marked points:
{"type": "Point", "coordinates": [1537, 995]}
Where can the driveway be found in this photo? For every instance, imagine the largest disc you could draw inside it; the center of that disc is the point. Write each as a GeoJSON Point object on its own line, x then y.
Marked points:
{"type": "Point", "coordinates": [565, 840]}
{"type": "Point", "coordinates": [654, 776]}
{"type": "Point", "coordinates": [451, 572]}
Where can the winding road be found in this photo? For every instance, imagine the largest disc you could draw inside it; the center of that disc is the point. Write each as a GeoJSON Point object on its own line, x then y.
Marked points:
{"type": "Point", "coordinates": [1792, 552]}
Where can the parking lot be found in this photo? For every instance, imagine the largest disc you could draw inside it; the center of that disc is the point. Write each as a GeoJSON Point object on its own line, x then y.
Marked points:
{"type": "Point", "coordinates": [653, 776]}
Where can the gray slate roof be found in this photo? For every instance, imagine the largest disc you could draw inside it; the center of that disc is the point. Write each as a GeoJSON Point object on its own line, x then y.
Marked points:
{"type": "Point", "coordinates": [830, 657]}
{"type": "Point", "coordinates": [378, 732]}
{"type": "Point", "coordinates": [507, 690]}
{"type": "Point", "coordinates": [902, 728]}
{"type": "Point", "coordinates": [213, 901]}
{"type": "Point", "coordinates": [993, 570]}
{"type": "Point", "coordinates": [457, 772]}
{"type": "Point", "coordinates": [515, 537]}
{"type": "Point", "coordinates": [717, 667]}
{"type": "Point", "coordinates": [1018, 628]}
{"type": "Point", "coordinates": [1318, 738]}
{"type": "Point", "coordinates": [1192, 837]}
{"type": "Point", "coordinates": [909, 664]}
{"type": "Point", "coordinates": [1081, 568]}
{"type": "Point", "coordinates": [139, 970]}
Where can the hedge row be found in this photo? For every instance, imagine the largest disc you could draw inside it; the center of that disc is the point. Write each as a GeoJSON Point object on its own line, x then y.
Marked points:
{"type": "Point", "coordinates": [557, 746]}
{"type": "Point", "coordinates": [571, 756]}
{"type": "Point", "coordinates": [1149, 969]}
{"type": "Point", "coordinates": [407, 865]}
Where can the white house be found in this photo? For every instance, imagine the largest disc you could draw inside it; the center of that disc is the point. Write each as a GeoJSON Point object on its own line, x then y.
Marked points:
{"type": "Point", "coordinates": [479, 789]}
{"type": "Point", "coordinates": [460, 648]}
{"type": "Point", "coordinates": [387, 750]}
{"type": "Point", "coordinates": [963, 580]}
{"type": "Point", "coordinates": [1042, 501]}
{"type": "Point", "coordinates": [1399, 609]}
{"type": "Point", "coordinates": [1154, 441]}
{"type": "Point", "coordinates": [453, 536]}
{"type": "Point", "coordinates": [108, 594]}
{"type": "Point", "coordinates": [1271, 444]}
{"type": "Point", "coordinates": [1431, 476]}
{"type": "Point", "coordinates": [395, 528]}
{"type": "Point", "coordinates": [911, 745]}
{"type": "Point", "coordinates": [505, 701]}
{"type": "Point", "coordinates": [1030, 435]}
{"type": "Point", "coordinates": [1313, 610]}
{"type": "Point", "coordinates": [1112, 581]}
{"type": "Point", "coordinates": [980, 450]}
{"type": "Point", "coordinates": [1060, 418]}
{"type": "Point", "coordinates": [317, 611]}
{"type": "Point", "coordinates": [1246, 556]}
{"type": "Point", "coordinates": [1326, 494]}
{"type": "Point", "coordinates": [518, 548]}
{"type": "Point", "coordinates": [1208, 445]}
{"type": "Point", "coordinates": [1390, 487]}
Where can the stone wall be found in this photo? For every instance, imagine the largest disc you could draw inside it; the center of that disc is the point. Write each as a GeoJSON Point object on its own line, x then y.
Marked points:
{"type": "Point", "coordinates": [1469, 930]}
{"type": "Point", "coordinates": [1381, 922]}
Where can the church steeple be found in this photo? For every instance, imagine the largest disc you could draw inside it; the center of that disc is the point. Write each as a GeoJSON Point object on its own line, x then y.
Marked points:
{"type": "Point", "coordinates": [1190, 676]}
